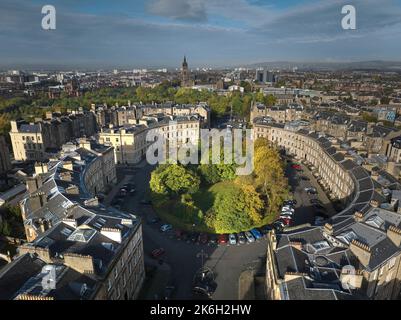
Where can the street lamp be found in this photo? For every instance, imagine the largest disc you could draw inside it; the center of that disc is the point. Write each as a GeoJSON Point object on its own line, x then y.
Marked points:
{"type": "Point", "coordinates": [202, 254]}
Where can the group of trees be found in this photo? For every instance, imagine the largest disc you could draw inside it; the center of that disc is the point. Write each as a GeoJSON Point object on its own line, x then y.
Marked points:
{"type": "Point", "coordinates": [211, 195]}
{"type": "Point", "coordinates": [36, 106]}
{"type": "Point", "coordinates": [11, 223]}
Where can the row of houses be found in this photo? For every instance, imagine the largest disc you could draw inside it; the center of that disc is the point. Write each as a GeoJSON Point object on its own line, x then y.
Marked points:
{"type": "Point", "coordinates": [77, 248]}
{"type": "Point", "coordinates": [357, 253]}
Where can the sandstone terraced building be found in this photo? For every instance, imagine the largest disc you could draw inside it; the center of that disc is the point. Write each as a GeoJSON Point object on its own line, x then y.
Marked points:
{"type": "Point", "coordinates": [77, 248]}
{"type": "Point", "coordinates": [357, 253]}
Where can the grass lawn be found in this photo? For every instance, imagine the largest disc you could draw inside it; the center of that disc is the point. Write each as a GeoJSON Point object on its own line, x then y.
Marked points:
{"type": "Point", "coordinates": [203, 199]}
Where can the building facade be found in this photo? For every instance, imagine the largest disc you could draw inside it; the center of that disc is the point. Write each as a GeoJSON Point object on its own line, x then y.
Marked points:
{"type": "Point", "coordinates": [82, 249]}
{"type": "Point", "coordinates": [5, 162]}
{"type": "Point", "coordinates": [356, 254]}
{"type": "Point", "coordinates": [130, 142]}
{"type": "Point", "coordinates": [37, 140]}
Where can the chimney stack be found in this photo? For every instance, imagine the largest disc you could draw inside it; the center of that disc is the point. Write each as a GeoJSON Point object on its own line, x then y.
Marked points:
{"type": "Point", "coordinates": [394, 234]}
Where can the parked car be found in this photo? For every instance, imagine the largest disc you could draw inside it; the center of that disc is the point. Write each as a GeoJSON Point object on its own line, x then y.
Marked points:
{"type": "Point", "coordinates": [315, 201]}
{"type": "Point", "coordinates": [178, 234]}
{"type": "Point", "coordinates": [166, 227]}
{"type": "Point", "coordinates": [222, 239]}
{"type": "Point", "coordinates": [249, 237]}
{"type": "Point", "coordinates": [287, 213]}
{"type": "Point", "coordinates": [194, 237]}
{"type": "Point", "coordinates": [256, 233]}
{"type": "Point", "coordinates": [290, 202]}
{"type": "Point", "coordinates": [318, 207]}
{"type": "Point", "coordinates": [286, 221]}
{"type": "Point", "coordinates": [287, 208]}
{"type": "Point", "coordinates": [296, 166]}
{"type": "Point", "coordinates": [202, 238]}
{"type": "Point", "coordinates": [319, 220]}
{"type": "Point", "coordinates": [157, 253]}
{"type": "Point", "coordinates": [168, 292]}
{"type": "Point", "coordinates": [305, 178]}
{"type": "Point", "coordinates": [278, 225]}
{"type": "Point", "coordinates": [185, 236]}
{"type": "Point", "coordinates": [145, 202]}
{"type": "Point", "coordinates": [154, 220]}
{"type": "Point", "coordinates": [265, 229]}
{"type": "Point", "coordinates": [212, 239]}
{"type": "Point", "coordinates": [286, 216]}
{"type": "Point", "coordinates": [241, 238]}
{"type": "Point", "coordinates": [232, 239]}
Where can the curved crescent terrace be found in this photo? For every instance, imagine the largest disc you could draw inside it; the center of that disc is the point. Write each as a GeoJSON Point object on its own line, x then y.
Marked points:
{"type": "Point", "coordinates": [356, 254]}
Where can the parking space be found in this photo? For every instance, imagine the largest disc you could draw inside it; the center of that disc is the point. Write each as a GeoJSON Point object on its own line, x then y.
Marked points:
{"type": "Point", "coordinates": [309, 205]}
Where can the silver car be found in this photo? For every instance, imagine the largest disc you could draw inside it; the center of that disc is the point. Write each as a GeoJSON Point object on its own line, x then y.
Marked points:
{"type": "Point", "coordinates": [232, 239]}
{"type": "Point", "coordinates": [249, 237]}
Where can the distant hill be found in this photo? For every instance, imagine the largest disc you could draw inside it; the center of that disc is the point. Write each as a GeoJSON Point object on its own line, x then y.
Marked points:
{"type": "Point", "coordinates": [360, 65]}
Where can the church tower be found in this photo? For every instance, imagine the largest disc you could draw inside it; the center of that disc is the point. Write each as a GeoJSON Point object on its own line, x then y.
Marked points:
{"type": "Point", "coordinates": [185, 74]}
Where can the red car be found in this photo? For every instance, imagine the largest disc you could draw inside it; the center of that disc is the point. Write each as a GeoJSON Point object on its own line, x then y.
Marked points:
{"type": "Point", "coordinates": [286, 221]}
{"type": "Point", "coordinates": [179, 233]}
{"type": "Point", "coordinates": [157, 253]}
{"type": "Point", "coordinates": [222, 239]}
{"type": "Point", "coordinates": [296, 166]}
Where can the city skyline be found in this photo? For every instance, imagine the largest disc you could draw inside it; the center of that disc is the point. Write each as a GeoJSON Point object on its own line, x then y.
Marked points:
{"type": "Point", "coordinates": [211, 33]}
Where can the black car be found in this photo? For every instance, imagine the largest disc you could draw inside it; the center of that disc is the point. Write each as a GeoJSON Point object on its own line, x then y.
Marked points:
{"type": "Point", "coordinates": [265, 229]}
{"type": "Point", "coordinates": [290, 202]}
{"type": "Point", "coordinates": [212, 239]}
{"type": "Point", "coordinates": [318, 206]}
{"type": "Point", "coordinates": [194, 237]}
{"type": "Point", "coordinates": [278, 226]}
{"type": "Point", "coordinates": [314, 201]}
{"type": "Point", "coordinates": [168, 292]}
{"type": "Point", "coordinates": [145, 202]}
{"type": "Point", "coordinates": [305, 178]}
{"type": "Point", "coordinates": [154, 220]}
{"type": "Point", "coordinates": [185, 236]}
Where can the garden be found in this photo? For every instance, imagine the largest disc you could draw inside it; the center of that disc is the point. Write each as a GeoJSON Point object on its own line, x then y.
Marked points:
{"type": "Point", "coordinates": [212, 198]}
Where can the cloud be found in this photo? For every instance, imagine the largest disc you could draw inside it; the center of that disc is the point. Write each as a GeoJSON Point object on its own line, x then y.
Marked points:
{"type": "Point", "coordinates": [222, 33]}
{"type": "Point", "coordinates": [321, 21]}
{"type": "Point", "coordinates": [185, 10]}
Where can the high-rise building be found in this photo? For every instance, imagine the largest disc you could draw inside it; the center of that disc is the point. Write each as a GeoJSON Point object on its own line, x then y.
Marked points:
{"type": "Point", "coordinates": [265, 76]}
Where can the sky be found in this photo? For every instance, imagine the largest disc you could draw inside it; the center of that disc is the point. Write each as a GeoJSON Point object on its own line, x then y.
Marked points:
{"type": "Point", "coordinates": [211, 33]}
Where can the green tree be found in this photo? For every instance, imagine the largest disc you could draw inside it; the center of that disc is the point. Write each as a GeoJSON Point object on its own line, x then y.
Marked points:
{"type": "Point", "coordinates": [174, 179]}
{"type": "Point", "coordinates": [237, 209]}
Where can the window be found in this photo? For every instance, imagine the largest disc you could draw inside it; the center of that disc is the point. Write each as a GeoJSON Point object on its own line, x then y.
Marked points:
{"type": "Point", "coordinates": [391, 263]}
{"type": "Point", "coordinates": [381, 271]}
